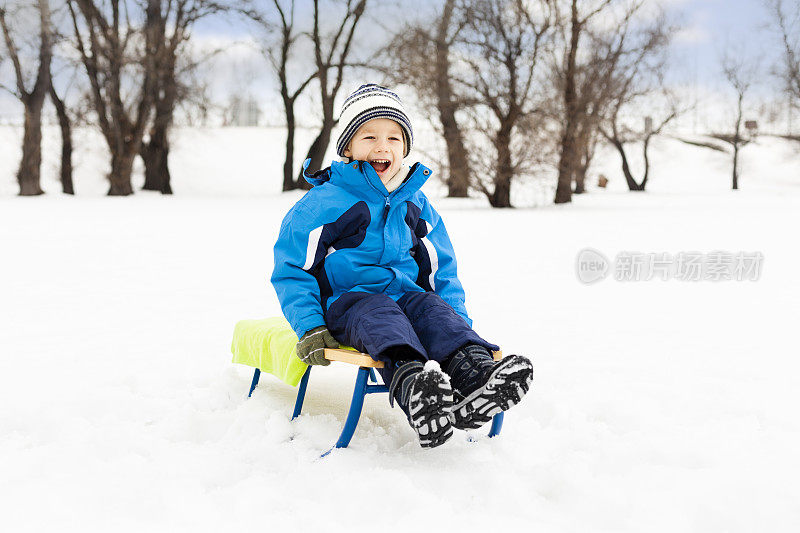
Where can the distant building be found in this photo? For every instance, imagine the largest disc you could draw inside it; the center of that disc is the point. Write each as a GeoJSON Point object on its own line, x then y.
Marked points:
{"type": "Point", "coordinates": [243, 112]}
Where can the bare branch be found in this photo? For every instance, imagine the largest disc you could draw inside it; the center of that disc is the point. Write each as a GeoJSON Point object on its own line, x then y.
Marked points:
{"type": "Point", "coordinates": [14, 55]}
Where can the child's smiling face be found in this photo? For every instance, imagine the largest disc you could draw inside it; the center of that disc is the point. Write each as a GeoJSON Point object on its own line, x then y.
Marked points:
{"type": "Point", "coordinates": [379, 142]}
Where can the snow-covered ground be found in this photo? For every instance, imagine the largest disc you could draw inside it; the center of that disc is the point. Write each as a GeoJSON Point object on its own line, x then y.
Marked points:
{"type": "Point", "coordinates": [656, 405]}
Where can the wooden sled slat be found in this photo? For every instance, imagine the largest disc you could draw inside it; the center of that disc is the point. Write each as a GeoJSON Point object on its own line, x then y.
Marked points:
{"type": "Point", "coordinates": [361, 359]}
{"type": "Point", "coordinates": [352, 357]}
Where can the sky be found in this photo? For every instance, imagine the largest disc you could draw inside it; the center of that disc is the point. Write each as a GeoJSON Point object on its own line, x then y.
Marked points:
{"type": "Point", "coordinates": [708, 26]}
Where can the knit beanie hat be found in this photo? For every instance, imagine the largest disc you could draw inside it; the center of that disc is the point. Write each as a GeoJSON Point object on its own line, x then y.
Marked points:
{"type": "Point", "coordinates": [368, 102]}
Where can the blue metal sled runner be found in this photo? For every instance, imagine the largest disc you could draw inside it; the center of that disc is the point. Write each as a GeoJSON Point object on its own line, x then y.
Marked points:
{"type": "Point", "coordinates": [366, 383]}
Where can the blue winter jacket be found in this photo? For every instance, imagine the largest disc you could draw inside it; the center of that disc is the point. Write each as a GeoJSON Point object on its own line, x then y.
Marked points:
{"type": "Point", "coordinates": [349, 234]}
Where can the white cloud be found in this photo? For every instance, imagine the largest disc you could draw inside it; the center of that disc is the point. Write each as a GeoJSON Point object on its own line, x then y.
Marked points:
{"type": "Point", "coordinates": [694, 34]}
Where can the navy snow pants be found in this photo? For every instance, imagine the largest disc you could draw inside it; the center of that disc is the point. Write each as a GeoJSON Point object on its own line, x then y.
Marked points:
{"type": "Point", "coordinates": [420, 325]}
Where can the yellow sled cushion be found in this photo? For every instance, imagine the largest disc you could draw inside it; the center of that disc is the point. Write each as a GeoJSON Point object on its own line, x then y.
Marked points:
{"type": "Point", "coordinates": [268, 344]}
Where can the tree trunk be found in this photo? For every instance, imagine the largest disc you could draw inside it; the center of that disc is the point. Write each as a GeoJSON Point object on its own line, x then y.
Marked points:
{"type": "Point", "coordinates": [737, 141]}
{"type": "Point", "coordinates": [28, 175]}
{"type": "Point", "coordinates": [122, 157]}
{"type": "Point", "coordinates": [582, 168]}
{"type": "Point", "coordinates": [502, 192]}
{"type": "Point", "coordinates": [318, 148]}
{"type": "Point", "coordinates": [504, 173]}
{"type": "Point", "coordinates": [156, 152]}
{"type": "Point", "coordinates": [585, 159]}
{"type": "Point", "coordinates": [152, 179]}
{"type": "Point", "coordinates": [288, 164]}
{"type": "Point", "coordinates": [66, 142]}
{"type": "Point", "coordinates": [569, 151]}
{"type": "Point", "coordinates": [155, 155]}
{"type": "Point", "coordinates": [459, 172]}
{"type": "Point", "coordinates": [566, 165]}
{"type": "Point", "coordinates": [646, 157]}
{"type": "Point", "coordinates": [580, 180]}
{"type": "Point", "coordinates": [626, 169]}
{"type": "Point", "coordinates": [121, 170]}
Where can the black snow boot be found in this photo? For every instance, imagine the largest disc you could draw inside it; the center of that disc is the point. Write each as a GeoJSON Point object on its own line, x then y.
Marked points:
{"type": "Point", "coordinates": [484, 387]}
{"type": "Point", "coordinates": [426, 398]}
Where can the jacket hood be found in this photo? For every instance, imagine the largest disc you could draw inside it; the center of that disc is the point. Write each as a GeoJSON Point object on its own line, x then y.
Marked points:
{"type": "Point", "coordinates": [316, 178]}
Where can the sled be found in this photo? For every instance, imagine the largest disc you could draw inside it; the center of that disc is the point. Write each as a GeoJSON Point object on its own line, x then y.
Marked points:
{"type": "Point", "coordinates": [269, 345]}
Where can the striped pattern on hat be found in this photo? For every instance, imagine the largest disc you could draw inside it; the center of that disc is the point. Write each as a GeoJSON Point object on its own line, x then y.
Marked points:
{"type": "Point", "coordinates": [368, 102]}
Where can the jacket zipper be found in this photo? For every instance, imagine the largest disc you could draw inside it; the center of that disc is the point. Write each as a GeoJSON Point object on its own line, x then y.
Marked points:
{"type": "Point", "coordinates": [387, 205]}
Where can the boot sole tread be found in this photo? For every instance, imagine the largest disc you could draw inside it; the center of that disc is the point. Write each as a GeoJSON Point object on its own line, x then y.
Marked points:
{"type": "Point", "coordinates": [505, 388]}
{"type": "Point", "coordinates": [429, 409]}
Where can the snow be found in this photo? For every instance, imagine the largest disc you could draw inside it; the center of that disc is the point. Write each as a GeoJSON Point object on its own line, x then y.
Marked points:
{"type": "Point", "coordinates": [656, 405]}
{"type": "Point", "coordinates": [432, 366]}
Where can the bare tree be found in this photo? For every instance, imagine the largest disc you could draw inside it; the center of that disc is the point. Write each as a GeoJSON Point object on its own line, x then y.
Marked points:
{"type": "Point", "coordinates": [619, 136]}
{"type": "Point", "coordinates": [331, 59]}
{"type": "Point", "coordinates": [593, 92]}
{"type": "Point", "coordinates": [785, 17]}
{"type": "Point", "coordinates": [595, 85]}
{"type": "Point", "coordinates": [637, 67]}
{"type": "Point", "coordinates": [65, 125]}
{"type": "Point", "coordinates": [501, 55]}
{"type": "Point", "coordinates": [448, 29]}
{"type": "Point", "coordinates": [420, 54]}
{"type": "Point", "coordinates": [573, 25]}
{"type": "Point", "coordinates": [117, 55]}
{"type": "Point", "coordinates": [155, 151]}
{"type": "Point", "coordinates": [279, 57]}
{"type": "Point", "coordinates": [64, 70]}
{"type": "Point", "coordinates": [171, 22]}
{"type": "Point", "coordinates": [587, 144]}
{"type": "Point", "coordinates": [740, 72]}
{"type": "Point", "coordinates": [28, 175]}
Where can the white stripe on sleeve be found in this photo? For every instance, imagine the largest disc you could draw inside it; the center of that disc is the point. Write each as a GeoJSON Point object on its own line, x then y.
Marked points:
{"type": "Point", "coordinates": [313, 242]}
{"type": "Point", "coordinates": [434, 257]}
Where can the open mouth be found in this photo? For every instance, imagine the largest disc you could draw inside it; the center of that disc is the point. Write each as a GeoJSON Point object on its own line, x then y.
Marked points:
{"type": "Point", "coordinates": [380, 165]}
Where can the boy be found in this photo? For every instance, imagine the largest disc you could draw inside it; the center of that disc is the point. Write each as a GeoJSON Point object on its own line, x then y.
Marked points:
{"type": "Point", "coordinates": [364, 259]}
